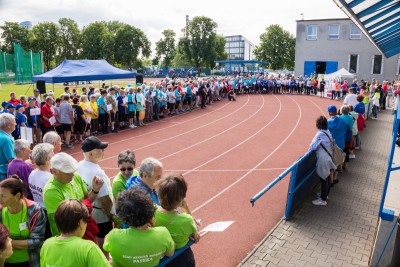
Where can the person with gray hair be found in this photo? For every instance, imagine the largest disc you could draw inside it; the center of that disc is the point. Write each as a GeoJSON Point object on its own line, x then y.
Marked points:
{"type": "Point", "coordinates": [150, 172]}
{"type": "Point", "coordinates": [7, 126]}
{"type": "Point", "coordinates": [18, 166]}
{"type": "Point", "coordinates": [41, 155]}
{"type": "Point", "coordinates": [53, 139]}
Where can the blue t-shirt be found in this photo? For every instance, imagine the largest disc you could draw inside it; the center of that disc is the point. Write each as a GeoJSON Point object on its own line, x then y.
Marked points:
{"type": "Point", "coordinates": [136, 182]}
{"type": "Point", "coordinates": [338, 126]}
{"type": "Point", "coordinates": [131, 105]}
{"type": "Point", "coordinates": [177, 95]}
{"type": "Point", "coordinates": [102, 101]}
{"type": "Point", "coordinates": [188, 92]}
{"type": "Point", "coordinates": [120, 100]}
{"type": "Point", "coordinates": [19, 119]}
{"type": "Point", "coordinates": [6, 153]}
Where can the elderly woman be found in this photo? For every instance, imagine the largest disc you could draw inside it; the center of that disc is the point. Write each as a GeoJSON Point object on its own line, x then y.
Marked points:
{"type": "Point", "coordinates": [141, 242]}
{"type": "Point", "coordinates": [18, 166]}
{"type": "Point", "coordinates": [6, 249]}
{"type": "Point", "coordinates": [65, 184]}
{"type": "Point", "coordinates": [69, 249]}
{"type": "Point", "coordinates": [322, 144]}
{"type": "Point", "coordinates": [7, 126]}
{"type": "Point", "coordinates": [53, 139]}
{"type": "Point", "coordinates": [94, 122]}
{"type": "Point", "coordinates": [126, 165]}
{"type": "Point", "coordinates": [25, 220]}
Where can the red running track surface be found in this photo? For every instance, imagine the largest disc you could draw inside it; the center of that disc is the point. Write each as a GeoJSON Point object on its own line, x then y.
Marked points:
{"type": "Point", "coordinates": [227, 153]}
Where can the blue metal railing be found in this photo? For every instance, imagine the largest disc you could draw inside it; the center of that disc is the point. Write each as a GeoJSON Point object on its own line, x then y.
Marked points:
{"type": "Point", "coordinates": [166, 260]}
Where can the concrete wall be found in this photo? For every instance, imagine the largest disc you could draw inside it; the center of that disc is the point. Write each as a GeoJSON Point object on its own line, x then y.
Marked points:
{"type": "Point", "coordinates": [324, 49]}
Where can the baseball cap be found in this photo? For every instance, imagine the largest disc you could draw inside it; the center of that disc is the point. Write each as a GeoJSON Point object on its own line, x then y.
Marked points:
{"type": "Point", "coordinates": [64, 163]}
{"type": "Point", "coordinates": [4, 103]}
{"type": "Point", "coordinates": [9, 105]}
{"type": "Point", "coordinates": [92, 142]}
{"type": "Point", "coordinates": [19, 106]}
{"type": "Point", "coordinates": [31, 98]}
{"type": "Point", "coordinates": [332, 109]}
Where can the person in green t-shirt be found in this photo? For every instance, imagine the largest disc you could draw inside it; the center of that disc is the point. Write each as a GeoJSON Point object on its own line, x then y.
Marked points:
{"type": "Point", "coordinates": [141, 244]}
{"type": "Point", "coordinates": [65, 184]}
{"type": "Point", "coordinates": [126, 165]}
{"type": "Point", "coordinates": [69, 249]}
{"type": "Point", "coordinates": [172, 193]}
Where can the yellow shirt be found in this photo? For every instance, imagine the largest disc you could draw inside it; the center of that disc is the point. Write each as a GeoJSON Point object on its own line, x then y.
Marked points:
{"type": "Point", "coordinates": [95, 109]}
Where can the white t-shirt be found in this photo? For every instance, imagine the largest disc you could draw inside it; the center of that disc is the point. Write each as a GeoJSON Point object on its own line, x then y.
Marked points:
{"type": "Point", "coordinates": [87, 170]}
{"type": "Point", "coordinates": [37, 180]}
{"type": "Point", "coordinates": [350, 99]}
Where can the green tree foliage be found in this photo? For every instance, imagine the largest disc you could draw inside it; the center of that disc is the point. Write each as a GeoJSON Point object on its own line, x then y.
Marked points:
{"type": "Point", "coordinates": [277, 47]}
{"type": "Point", "coordinates": [13, 31]}
{"type": "Point", "coordinates": [199, 42]}
{"type": "Point", "coordinates": [94, 44]}
{"type": "Point", "coordinates": [69, 39]}
{"type": "Point", "coordinates": [165, 48]}
{"type": "Point", "coordinates": [44, 37]}
{"type": "Point", "coordinates": [131, 45]}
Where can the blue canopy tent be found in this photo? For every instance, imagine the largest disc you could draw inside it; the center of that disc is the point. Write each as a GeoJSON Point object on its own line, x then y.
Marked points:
{"type": "Point", "coordinates": [83, 70]}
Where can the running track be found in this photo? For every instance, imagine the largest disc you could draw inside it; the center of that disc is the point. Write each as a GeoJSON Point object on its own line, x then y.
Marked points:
{"type": "Point", "coordinates": [227, 153]}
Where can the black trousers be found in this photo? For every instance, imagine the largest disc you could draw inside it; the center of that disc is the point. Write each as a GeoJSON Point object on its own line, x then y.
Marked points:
{"type": "Point", "coordinates": [325, 188]}
{"type": "Point", "coordinates": [185, 259]}
{"type": "Point", "coordinates": [103, 119]}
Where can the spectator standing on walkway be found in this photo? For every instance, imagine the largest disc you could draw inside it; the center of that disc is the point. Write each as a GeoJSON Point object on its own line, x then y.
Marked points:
{"type": "Point", "coordinates": [53, 139]}
{"type": "Point", "coordinates": [351, 98]}
{"type": "Point", "coordinates": [322, 84]}
{"type": "Point", "coordinates": [322, 144]}
{"type": "Point", "coordinates": [126, 165]}
{"type": "Point", "coordinates": [7, 126]}
{"type": "Point", "coordinates": [103, 112]}
{"type": "Point", "coordinates": [103, 212]}
{"type": "Point", "coordinates": [47, 112]}
{"type": "Point", "coordinates": [94, 109]}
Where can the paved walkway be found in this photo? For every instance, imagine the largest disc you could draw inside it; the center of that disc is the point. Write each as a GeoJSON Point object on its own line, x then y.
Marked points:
{"type": "Point", "coordinates": [341, 233]}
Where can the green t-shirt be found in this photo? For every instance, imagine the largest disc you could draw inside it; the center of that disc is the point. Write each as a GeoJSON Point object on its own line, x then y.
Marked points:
{"type": "Point", "coordinates": [180, 227]}
{"type": "Point", "coordinates": [55, 192]}
{"type": "Point", "coordinates": [132, 247]}
{"type": "Point", "coordinates": [17, 224]}
{"type": "Point", "coordinates": [73, 251]}
{"type": "Point", "coordinates": [119, 183]}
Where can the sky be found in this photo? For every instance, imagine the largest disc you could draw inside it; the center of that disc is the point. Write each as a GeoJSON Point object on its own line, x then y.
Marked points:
{"type": "Point", "coordinates": [249, 19]}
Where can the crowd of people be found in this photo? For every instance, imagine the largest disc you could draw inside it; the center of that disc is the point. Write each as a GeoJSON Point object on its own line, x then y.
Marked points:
{"type": "Point", "coordinates": [52, 205]}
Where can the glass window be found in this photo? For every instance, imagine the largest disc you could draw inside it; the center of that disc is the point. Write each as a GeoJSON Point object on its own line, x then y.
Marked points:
{"type": "Point", "coordinates": [353, 63]}
{"type": "Point", "coordinates": [377, 64]}
{"type": "Point", "coordinates": [355, 32]}
{"type": "Point", "coordinates": [334, 31]}
{"type": "Point", "coordinates": [312, 32]}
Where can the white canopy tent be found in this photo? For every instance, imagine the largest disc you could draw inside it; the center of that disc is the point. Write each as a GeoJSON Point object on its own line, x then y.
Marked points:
{"type": "Point", "coordinates": [340, 75]}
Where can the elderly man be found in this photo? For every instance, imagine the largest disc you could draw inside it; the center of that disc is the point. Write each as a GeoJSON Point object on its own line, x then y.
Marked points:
{"type": "Point", "coordinates": [93, 151]}
{"type": "Point", "coordinates": [351, 98]}
{"type": "Point", "coordinates": [7, 126]}
{"type": "Point", "coordinates": [65, 184]}
{"type": "Point", "coordinates": [54, 139]}
{"type": "Point", "coordinates": [47, 112]}
{"type": "Point", "coordinates": [150, 172]}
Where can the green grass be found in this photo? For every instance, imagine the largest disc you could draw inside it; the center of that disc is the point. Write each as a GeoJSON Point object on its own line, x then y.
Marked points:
{"type": "Point", "coordinates": [58, 88]}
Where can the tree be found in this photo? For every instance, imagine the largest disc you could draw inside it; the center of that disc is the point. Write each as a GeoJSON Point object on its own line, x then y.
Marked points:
{"type": "Point", "coordinates": [130, 45]}
{"type": "Point", "coordinates": [12, 31]}
{"type": "Point", "coordinates": [165, 48]}
{"type": "Point", "coordinates": [69, 39]}
{"type": "Point", "coordinates": [276, 47]}
{"type": "Point", "coordinates": [44, 37]}
{"type": "Point", "coordinates": [199, 42]}
{"type": "Point", "coordinates": [94, 44]}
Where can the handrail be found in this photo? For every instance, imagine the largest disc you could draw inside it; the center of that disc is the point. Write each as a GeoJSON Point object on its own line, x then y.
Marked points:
{"type": "Point", "coordinates": [177, 252]}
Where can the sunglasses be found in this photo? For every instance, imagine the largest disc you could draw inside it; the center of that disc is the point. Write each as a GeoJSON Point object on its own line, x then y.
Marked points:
{"type": "Point", "coordinates": [126, 169]}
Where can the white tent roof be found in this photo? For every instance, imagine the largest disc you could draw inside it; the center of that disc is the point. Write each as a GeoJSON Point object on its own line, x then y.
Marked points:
{"type": "Point", "coordinates": [340, 74]}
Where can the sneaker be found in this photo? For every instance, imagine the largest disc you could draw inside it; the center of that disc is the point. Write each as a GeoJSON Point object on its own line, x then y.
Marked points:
{"type": "Point", "coordinates": [132, 126]}
{"type": "Point", "coordinates": [69, 146]}
{"type": "Point", "coordinates": [319, 202]}
{"type": "Point", "coordinates": [319, 195]}
{"type": "Point", "coordinates": [352, 156]}
{"type": "Point", "coordinates": [357, 148]}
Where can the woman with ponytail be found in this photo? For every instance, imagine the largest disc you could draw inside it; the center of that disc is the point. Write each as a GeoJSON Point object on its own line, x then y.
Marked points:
{"type": "Point", "coordinates": [25, 221]}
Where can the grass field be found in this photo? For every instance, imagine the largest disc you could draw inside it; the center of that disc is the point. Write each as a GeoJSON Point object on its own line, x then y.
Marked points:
{"type": "Point", "coordinates": [58, 88]}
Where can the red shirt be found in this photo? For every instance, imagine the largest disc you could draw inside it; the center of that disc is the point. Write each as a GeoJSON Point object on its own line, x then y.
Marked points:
{"type": "Point", "coordinates": [14, 101]}
{"type": "Point", "coordinates": [385, 88]}
{"type": "Point", "coordinates": [48, 113]}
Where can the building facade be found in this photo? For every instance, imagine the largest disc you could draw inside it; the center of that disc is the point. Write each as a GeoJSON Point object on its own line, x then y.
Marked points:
{"type": "Point", "coordinates": [26, 24]}
{"type": "Point", "coordinates": [238, 48]}
{"type": "Point", "coordinates": [327, 45]}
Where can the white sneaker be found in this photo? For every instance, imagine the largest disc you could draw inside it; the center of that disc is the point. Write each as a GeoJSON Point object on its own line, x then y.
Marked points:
{"type": "Point", "coordinates": [132, 126]}
{"type": "Point", "coordinates": [352, 156]}
{"type": "Point", "coordinates": [319, 202]}
{"type": "Point", "coordinates": [319, 195]}
{"type": "Point", "coordinates": [357, 148]}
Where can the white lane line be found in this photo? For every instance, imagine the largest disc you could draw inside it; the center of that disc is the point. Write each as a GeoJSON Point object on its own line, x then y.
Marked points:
{"type": "Point", "coordinates": [261, 162]}
{"type": "Point", "coordinates": [162, 129]}
{"type": "Point", "coordinates": [219, 170]}
{"type": "Point", "coordinates": [181, 134]}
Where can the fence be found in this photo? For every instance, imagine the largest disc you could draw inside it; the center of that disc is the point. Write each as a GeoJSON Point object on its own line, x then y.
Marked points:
{"type": "Point", "coordinates": [20, 66]}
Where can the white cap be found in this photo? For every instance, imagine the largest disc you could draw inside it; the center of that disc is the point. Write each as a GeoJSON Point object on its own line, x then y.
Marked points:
{"type": "Point", "coordinates": [64, 163]}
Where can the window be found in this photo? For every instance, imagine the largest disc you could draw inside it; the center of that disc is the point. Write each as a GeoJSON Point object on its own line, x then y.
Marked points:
{"type": "Point", "coordinates": [377, 64]}
{"type": "Point", "coordinates": [355, 32]}
{"type": "Point", "coordinates": [334, 31]}
{"type": "Point", "coordinates": [312, 32]}
{"type": "Point", "coordinates": [353, 63]}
